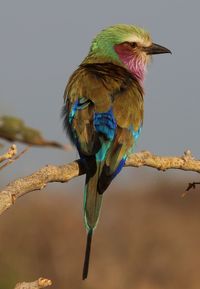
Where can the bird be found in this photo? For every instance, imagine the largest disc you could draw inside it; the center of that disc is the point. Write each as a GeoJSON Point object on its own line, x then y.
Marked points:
{"type": "Point", "coordinates": [103, 110]}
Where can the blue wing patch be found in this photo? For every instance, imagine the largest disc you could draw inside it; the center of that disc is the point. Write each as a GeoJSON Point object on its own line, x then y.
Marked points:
{"type": "Point", "coordinates": [73, 111]}
{"type": "Point", "coordinates": [120, 166]}
{"type": "Point", "coordinates": [105, 123]}
{"type": "Point", "coordinates": [79, 104]}
{"type": "Point", "coordinates": [135, 133]}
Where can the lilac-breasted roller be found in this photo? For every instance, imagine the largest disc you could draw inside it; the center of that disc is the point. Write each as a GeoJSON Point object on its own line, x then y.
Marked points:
{"type": "Point", "coordinates": [103, 110]}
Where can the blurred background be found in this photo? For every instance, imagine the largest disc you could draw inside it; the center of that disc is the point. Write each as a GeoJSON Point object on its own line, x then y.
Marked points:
{"type": "Point", "coordinates": [148, 236]}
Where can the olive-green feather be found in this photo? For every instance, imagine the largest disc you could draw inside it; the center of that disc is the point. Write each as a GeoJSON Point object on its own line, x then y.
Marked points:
{"type": "Point", "coordinates": [106, 86]}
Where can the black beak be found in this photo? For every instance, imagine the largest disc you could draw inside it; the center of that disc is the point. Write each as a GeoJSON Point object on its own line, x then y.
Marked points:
{"type": "Point", "coordinates": [156, 49]}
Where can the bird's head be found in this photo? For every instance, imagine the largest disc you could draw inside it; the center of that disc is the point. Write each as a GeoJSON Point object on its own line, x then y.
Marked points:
{"type": "Point", "coordinates": [127, 45]}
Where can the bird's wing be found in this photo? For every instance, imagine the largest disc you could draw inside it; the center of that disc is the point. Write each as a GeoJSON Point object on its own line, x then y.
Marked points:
{"type": "Point", "coordinates": [103, 110]}
{"type": "Point", "coordinates": [87, 95]}
{"type": "Point", "coordinates": [99, 98]}
{"type": "Point", "coordinates": [127, 108]}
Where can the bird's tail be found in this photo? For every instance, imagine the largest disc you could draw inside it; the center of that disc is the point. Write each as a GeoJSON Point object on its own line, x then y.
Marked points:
{"type": "Point", "coordinates": [92, 206]}
{"type": "Point", "coordinates": [87, 254]}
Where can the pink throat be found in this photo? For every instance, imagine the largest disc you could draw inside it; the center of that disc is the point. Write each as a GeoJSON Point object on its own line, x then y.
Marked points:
{"type": "Point", "coordinates": [133, 62]}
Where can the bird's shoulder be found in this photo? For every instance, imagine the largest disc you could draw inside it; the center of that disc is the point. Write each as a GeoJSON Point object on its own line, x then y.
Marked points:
{"type": "Point", "coordinates": [100, 82]}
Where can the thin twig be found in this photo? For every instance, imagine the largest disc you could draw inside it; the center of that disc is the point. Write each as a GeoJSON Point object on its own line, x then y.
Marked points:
{"type": "Point", "coordinates": [12, 151]}
{"type": "Point", "coordinates": [10, 161]}
{"type": "Point", "coordinates": [192, 186]}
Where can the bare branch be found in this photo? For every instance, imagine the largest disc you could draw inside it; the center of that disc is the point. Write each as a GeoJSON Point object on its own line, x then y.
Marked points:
{"type": "Point", "coordinates": [38, 181]}
{"type": "Point", "coordinates": [12, 151]}
{"type": "Point", "coordinates": [192, 186]}
{"type": "Point", "coordinates": [38, 284]}
{"type": "Point", "coordinates": [64, 173]}
{"type": "Point", "coordinates": [186, 162]}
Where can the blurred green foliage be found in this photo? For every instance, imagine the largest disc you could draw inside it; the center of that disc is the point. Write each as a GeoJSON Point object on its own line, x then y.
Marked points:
{"type": "Point", "coordinates": [14, 129]}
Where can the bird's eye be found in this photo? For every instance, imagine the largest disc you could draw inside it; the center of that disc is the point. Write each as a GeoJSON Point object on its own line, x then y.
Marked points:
{"type": "Point", "coordinates": [133, 44]}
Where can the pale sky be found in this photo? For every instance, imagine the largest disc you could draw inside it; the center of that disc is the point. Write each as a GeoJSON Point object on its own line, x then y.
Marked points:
{"type": "Point", "coordinates": [42, 42]}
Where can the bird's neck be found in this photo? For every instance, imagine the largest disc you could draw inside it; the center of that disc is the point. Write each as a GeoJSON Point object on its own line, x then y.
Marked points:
{"type": "Point", "coordinates": [93, 58]}
{"type": "Point", "coordinates": [133, 64]}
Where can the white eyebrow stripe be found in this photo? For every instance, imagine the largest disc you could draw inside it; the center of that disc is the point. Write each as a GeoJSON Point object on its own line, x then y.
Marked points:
{"type": "Point", "coordinates": [133, 38]}
{"type": "Point", "coordinates": [142, 41]}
